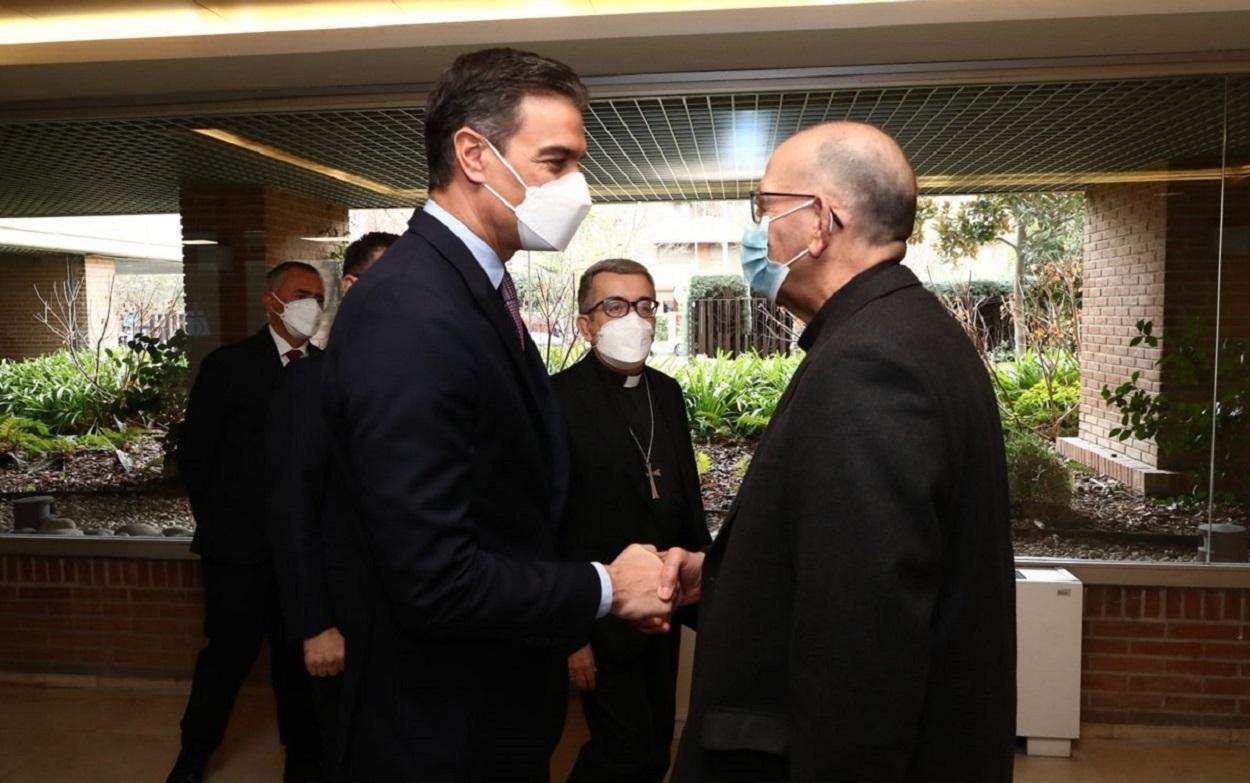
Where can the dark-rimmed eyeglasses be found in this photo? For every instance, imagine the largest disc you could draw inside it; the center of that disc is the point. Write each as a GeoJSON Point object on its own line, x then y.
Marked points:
{"type": "Point", "coordinates": [759, 197]}
{"type": "Point", "coordinates": [617, 307]}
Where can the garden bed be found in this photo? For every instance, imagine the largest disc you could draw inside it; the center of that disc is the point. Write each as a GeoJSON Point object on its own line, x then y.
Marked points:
{"type": "Point", "coordinates": [1107, 521]}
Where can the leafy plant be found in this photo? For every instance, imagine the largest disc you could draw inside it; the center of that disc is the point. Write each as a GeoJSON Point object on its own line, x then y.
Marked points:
{"type": "Point", "coordinates": [1184, 422]}
{"type": "Point", "coordinates": [1035, 474]}
{"type": "Point", "coordinates": [1050, 411]}
{"type": "Point", "coordinates": [82, 393]}
{"type": "Point", "coordinates": [1040, 392]}
{"type": "Point", "coordinates": [702, 462]}
{"type": "Point", "coordinates": [27, 438]}
{"type": "Point", "coordinates": [733, 396]}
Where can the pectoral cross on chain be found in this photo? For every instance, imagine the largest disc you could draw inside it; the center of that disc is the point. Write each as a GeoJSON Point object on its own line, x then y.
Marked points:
{"type": "Point", "coordinates": [652, 475]}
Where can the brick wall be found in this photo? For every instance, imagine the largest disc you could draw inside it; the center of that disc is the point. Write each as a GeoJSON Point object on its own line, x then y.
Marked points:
{"type": "Point", "coordinates": [100, 616]}
{"type": "Point", "coordinates": [1174, 656]}
{"type": "Point", "coordinates": [1124, 255]}
{"type": "Point", "coordinates": [1166, 656]}
{"type": "Point", "coordinates": [23, 337]}
{"type": "Point", "coordinates": [1151, 252]}
{"type": "Point", "coordinates": [255, 228]}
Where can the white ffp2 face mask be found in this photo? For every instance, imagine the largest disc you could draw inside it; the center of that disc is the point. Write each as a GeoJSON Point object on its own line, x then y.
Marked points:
{"type": "Point", "coordinates": [302, 316]}
{"type": "Point", "coordinates": [549, 215]}
{"type": "Point", "coordinates": [625, 342]}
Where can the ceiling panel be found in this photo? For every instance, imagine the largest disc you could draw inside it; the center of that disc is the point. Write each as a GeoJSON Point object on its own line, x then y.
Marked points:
{"type": "Point", "coordinates": [960, 138]}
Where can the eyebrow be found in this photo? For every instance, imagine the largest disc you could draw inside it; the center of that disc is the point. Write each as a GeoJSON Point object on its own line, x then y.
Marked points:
{"type": "Point", "coordinates": [559, 150]}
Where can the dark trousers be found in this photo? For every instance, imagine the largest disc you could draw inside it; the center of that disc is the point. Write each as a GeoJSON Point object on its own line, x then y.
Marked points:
{"type": "Point", "coordinates": [240, 612]}
{"type": "Point", "coordinates": [630, 715]}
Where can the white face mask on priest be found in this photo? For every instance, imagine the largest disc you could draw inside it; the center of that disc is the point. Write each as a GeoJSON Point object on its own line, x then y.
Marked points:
{"type": "Point", "coordinates": [617, 310]}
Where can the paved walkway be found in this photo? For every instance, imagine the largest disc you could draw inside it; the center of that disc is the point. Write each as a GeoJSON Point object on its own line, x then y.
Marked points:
{"type": "Point", "coordinates": [69, 735]}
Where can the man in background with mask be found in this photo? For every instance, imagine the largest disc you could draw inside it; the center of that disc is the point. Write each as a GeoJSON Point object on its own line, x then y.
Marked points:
{"type": "Point", "coordinates": [857, 619]}
{"type": "Point", "coordinates": [317, 577]}
{"type": "Point", "coordinates": [633, 479]}
{"type": "Point", "coordinates": [450, 449]}
{"type": "Point", "coordinates": [221, 459]}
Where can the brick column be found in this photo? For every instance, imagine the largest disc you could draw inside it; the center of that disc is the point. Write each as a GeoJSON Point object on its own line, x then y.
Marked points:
{"type": "Point", "coordinates": [255, 228]}
{"type": "Point", "coordinates": [1152, 253]}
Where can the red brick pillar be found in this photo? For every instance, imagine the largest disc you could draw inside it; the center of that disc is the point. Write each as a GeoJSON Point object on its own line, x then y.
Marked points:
{"type": "Point", "coordinates": [255, 228]}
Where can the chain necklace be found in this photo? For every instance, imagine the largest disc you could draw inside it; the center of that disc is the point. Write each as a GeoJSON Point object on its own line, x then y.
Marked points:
{"type": "Point", "coordinates": [648, 471]}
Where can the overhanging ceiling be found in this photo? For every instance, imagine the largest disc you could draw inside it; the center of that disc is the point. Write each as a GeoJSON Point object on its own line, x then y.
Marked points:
{"type": "Point", "coordinates": [961, 138]}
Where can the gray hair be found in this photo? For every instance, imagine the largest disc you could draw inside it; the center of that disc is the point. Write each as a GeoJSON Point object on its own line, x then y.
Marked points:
{"type": "Point", "coordinates": [275, 277]}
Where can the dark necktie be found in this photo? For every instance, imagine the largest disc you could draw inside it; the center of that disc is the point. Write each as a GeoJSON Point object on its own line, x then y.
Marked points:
{"type": "Point", "coordinates": [293, 354]}
{"type": "Point", "coordinates": [510, 301]}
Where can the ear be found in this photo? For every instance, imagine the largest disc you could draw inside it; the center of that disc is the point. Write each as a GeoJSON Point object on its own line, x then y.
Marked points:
{"type": "Point", "coordinates": [470, 149]}
{"type": "Point", "coordinates": [347, 282]}
{"type": "Point", "coordinates": [583, 328]}
{"type": "Point", "coordinates": [822, 233]}
{"type": "Point", "coordinates": [270, 302]}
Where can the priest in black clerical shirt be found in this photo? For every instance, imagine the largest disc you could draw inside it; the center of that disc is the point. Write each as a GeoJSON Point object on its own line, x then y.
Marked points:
{"type": "Point", "coordinates": [633, 480]}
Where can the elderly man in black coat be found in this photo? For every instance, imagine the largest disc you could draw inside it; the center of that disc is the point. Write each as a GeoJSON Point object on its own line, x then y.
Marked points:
{"type": "Point", "coordinates": [857, 615]}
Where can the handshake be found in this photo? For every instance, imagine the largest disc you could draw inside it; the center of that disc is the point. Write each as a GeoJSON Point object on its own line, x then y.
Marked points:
{"type": "Point", "coordinates": [648, 585]}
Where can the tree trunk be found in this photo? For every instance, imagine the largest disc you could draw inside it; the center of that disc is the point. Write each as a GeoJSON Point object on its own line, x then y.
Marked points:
{"type": "Point", "coordinates": [1019, 322]}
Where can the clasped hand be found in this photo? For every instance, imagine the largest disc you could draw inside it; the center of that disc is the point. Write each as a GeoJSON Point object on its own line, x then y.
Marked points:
{"type": "Point", "coordinates": [648, 585]}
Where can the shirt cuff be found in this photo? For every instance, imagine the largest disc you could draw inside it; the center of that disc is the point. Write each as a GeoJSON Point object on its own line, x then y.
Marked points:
{"type": "Point", "coordinates": [605, 595]}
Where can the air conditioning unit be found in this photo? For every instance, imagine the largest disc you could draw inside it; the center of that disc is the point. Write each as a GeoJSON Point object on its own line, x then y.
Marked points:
{"type": "Point", "coordinates": [1048, 659]}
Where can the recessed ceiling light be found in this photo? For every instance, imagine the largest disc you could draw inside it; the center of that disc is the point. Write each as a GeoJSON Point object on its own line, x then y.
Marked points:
{"type": "Point", "coordinates": [199, 241]}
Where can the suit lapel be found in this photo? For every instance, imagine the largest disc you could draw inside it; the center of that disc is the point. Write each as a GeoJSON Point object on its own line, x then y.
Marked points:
{"type": "Point", "coordinates": [487, 296]}
{"type": "Point", "coordinates": [527, 363]}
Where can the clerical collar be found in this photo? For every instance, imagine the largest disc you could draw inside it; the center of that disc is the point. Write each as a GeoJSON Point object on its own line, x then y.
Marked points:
{"type": "Point", "coordinates": [615, 378]}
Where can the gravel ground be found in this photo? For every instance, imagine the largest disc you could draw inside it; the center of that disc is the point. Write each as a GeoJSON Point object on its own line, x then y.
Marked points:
{"type": "Point", "coordinates": [110, 512]}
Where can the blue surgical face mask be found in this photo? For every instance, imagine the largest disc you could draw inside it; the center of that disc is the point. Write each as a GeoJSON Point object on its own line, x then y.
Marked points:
{"type": "Point", "coordinates": [761, 273]}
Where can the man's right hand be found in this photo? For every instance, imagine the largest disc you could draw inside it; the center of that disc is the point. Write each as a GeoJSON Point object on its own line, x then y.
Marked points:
{"type": "Point", "coordinates": [635, 576]}
{"type": "Point", "coordinates": [582, 669]}
{"type": "Point", "coordinates": [324, 653]}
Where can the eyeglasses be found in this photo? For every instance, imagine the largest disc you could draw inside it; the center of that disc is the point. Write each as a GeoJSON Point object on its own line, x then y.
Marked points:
{"type": "Point", "coordinates": [758, 200]}
{"type": "Point", "coordinates": [616, 307]}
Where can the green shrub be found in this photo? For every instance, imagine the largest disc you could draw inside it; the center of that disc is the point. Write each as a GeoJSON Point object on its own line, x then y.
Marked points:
{"type": "Point", "coordinates": [733, 396]}
{"type": "Point", "coordinates": [1013, 378]}
{"type": "Point", "coordinates": [1035, 474]}
{"type": "Point", "coordinates": [1050, 411]}
{"type": "Point", "coordinates": [703, 287]}
{"type": "Point", "coordinates": [76, 394]}
{"type": "Point", "coordinates": [975, 289]}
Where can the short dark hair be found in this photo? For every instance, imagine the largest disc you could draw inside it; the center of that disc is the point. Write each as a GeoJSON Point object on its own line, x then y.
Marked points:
{"type": "Point", "coordinates": [358, 256]}
{"type": "Point", "coordinates": [276, 276]}
{"type": "Point", "coordinates": [482, 90]}
{"type": "Point", "coordinates": [620, 266]}
{"type": "Point", "coordinates": [886, 200]}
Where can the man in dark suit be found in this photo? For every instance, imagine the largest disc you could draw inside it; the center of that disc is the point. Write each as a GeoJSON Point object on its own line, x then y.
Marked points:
{"type": "Point", "coordinates": [857, 616]}
{"type": "Point", "coordinates": [317, 583]}
{"type": "Point", "coordinates": [450, 451]}
{"type": "Point", "coordinates": [221, 458]}
{"type": "Point", "coordinates": [633, 479]}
